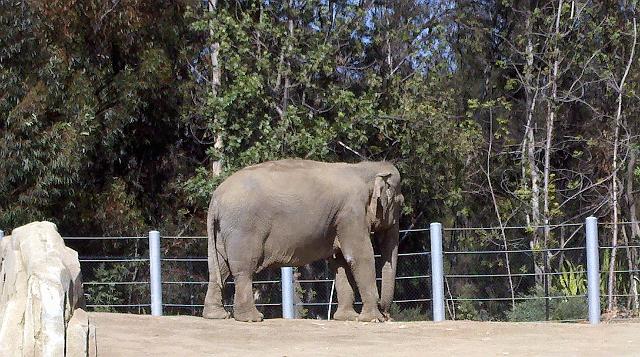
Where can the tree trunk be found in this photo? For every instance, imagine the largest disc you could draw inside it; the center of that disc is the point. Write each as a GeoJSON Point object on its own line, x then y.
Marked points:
{"type": "Point", "coordinates": [633, 288]}
{"type": "Point", "coordinates": [635, 229]}
{"type": "Point", "coordinates": [551, 113]}
{"type": "Point", "coordinates": [529, 166]}
{"type": "Point", "coordinates": [216, 166]}
{"type": "Point", "coordinates": [535, 190]}
{"type": "Point", "coordinates": [287, 79]}
{"type": "Point", "coordinates": [611, 300]}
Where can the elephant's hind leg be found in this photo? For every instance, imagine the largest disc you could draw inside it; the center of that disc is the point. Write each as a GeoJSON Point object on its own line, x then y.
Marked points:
{"type": "Point", "coordinates": [245, 254]}
{"type": "Point", "coordinates": [213, 307]}
{"type": "Point", "coordinates": [244, 308]}
{"type": "Point", "coordinates": [345, 288]}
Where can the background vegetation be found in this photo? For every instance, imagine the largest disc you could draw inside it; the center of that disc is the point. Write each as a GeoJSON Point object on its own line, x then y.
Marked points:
{"type": "Point", "coordinates": [117, 116]}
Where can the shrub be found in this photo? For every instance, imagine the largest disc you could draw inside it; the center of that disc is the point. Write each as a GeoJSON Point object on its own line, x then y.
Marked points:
{"type": "Point", "coordinates": [408, 314]}
{"type": "Point", "coordinates": [559, 309]}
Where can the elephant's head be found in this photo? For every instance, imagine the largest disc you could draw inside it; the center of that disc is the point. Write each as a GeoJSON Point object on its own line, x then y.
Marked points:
{"type": "Point", "coordinates": [385, 199]}
{"type": "Point", "coordinates": [385, 203]}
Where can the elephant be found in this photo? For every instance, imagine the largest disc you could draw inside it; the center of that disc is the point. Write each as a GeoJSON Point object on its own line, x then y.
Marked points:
{"type": "Point", "coordinates": [294, 212]}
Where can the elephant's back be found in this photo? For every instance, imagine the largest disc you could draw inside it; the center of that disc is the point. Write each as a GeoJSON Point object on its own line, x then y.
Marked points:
{"type": "Point", "coordinates": [287, 177]}
{"type": "Point", "coordinates": [288, 193]}
{"type": "Point", "coordinates": [291, 166]}
{"type": "Point", "coordinates": [285, 192]}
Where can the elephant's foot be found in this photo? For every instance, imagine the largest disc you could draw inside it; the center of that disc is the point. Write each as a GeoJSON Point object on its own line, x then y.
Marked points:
{"type": "Point", "coordinates": [346, 314]}
{"type": "Point", "coordinates": [370, 315]}
{"type": "Point", "coordinates": [387, 316]}
{"type": "Point", "coordinates": [215, 312]}
{"type": "Point", "coordinates": [248, 315]}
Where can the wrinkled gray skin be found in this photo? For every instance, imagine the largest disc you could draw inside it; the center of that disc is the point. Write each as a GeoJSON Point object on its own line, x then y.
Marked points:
{"type": "Point", "coordinates": [294, 212]}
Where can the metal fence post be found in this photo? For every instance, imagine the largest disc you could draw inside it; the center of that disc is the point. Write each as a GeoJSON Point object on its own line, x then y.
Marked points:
{"type": "Point", "coordinates": [287, 292]}
{"type": "Point", "coordinates": [155, 273]}
{"type": "Point", "coordinates": [593, 270]}
{"type": "Point", "coordinates": [437, 276]}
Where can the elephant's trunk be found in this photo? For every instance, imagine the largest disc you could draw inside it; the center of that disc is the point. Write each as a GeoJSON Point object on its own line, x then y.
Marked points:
{"type": "Point", "coordinates": [388, 243]}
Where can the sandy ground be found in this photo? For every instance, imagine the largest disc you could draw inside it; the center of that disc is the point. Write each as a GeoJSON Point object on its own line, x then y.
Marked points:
{"type": "Point", "coordinates": [135, 335]}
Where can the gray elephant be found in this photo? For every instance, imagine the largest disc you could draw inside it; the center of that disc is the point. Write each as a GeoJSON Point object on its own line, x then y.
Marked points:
{"type": "Point", "coordinates": [294, 212]}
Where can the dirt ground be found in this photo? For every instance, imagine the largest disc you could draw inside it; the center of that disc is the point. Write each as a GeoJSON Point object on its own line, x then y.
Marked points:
{"type": "Point", "coordinates": [135, 335]}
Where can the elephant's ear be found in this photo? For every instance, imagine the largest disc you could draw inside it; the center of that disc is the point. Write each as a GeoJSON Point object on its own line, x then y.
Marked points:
{"type": "Point", "coordinates": [380, 189]}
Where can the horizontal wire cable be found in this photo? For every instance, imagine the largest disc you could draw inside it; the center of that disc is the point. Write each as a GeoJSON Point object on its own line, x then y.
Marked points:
{"type": "Point", "coordinates": [552, 226]}
{"type": "Point", "coordinates": [115, 283]}
{"type": "Point", "coordinates": [620, 247]}
{"type": "Point", "coordinates": [187, 259]}
{"type": "Point", "coordinates": [514, 250]}
{"type": "Point", "coordinates": [225, 305]}
{"type": "Point", "coordinates": [227, 283]}
{"type": "Point", "coordinates": [411, 300]}
{"type": "Point", "coordinates": [314, 304]}
{"type": "Point", "coordinates": [190, 282]}
{"type": "Point", "coordinates": [413, 254]}
{"type": "Point", "coordinates": [103, 238]}
{"type": "Point", "coordinates": [118, 305]}
{"type": "Point", "coordinates": [133, 260]}
{"type": "Point", "coordinates": [533, 274]}
{"type": "Point", "coordinates": [517, 298]}
{"type": "Point", "coordinates": [185, 237]}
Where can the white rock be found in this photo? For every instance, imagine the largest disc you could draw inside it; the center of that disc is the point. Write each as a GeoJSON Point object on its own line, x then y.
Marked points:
{"type": "Point", "coordinates": [40, 294]}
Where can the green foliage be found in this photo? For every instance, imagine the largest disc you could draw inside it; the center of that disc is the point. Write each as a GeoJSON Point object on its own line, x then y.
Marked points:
{"type": "Point", "coordinates": [571, 309]}
{"type": "Point", "coordinates": [329, 102]}
{"type": "Point", "coordinates": [559, 309]}
{"type": "Point", "coordinates": [466, 310]}
{"type": "Point", "coordinates": [572, 280]}
{"type": "Point", "coordinates": [109, 294]}
{"type": "Point", "coordinates": [407, 314]}
{"type": "Point", "coordinates": [82, 105]}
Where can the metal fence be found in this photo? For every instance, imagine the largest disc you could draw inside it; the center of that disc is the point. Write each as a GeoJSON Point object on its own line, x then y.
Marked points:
{"type": "Point", "coordinates": [434, 282]}
{"type": "Point", "coordinates": [311, 289]}
{"type": "Point", "coordinates": [581, 271]}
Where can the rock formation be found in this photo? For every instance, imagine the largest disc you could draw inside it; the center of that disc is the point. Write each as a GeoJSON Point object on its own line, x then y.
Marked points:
{"type": "Point", "coordinates": [41, 296]}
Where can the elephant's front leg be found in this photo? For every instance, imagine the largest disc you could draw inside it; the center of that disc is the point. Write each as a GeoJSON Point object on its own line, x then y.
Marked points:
{"type": "Point", "coordinates": [345, 288]}
{"type": "Point", "coordinates": [357, 250]}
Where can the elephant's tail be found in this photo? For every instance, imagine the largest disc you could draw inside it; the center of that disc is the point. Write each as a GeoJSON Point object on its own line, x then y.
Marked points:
{"type": "Point", "coordinates": [212, 222]}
